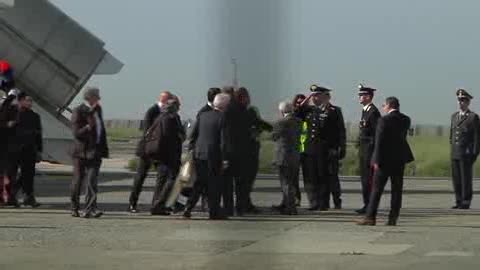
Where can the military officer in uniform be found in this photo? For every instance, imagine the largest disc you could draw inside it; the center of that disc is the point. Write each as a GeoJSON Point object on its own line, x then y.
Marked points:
{"type": "Point", "coordinates": [366, 141]}
{"type": "Point", "coordinates": [465, 147]}
{"type": "Point", "coordinates": [325, 141]}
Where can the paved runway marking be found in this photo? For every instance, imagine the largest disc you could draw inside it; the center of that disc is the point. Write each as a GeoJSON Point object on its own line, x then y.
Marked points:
{"type": "Point", "coordinates": [450, 254]}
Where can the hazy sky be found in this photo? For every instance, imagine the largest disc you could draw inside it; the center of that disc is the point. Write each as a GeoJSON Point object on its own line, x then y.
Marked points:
{"type": "Point", "coordinates": [420, 51]}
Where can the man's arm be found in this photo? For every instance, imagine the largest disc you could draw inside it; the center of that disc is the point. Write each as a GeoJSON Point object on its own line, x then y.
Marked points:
{"type": "Point", "coordinates": [379, 136]}
{"type": "Point", "coordinates": [80, 130]}
{"type": "Point", "coordinates": [342, 134]}
{"type": "Point", "coordinates": [194, 136]}
{"type": "Point", "coordinates": [476, 136]}
{"type": "Point", "coordinates": [38, 133]}
{"type": "Point", "coordinates": [277, 129]}
{"type": "Point", "coordinates": [149, 118]}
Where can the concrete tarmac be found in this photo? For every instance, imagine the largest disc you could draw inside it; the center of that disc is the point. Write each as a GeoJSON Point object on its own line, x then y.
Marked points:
{"type": "Point", "coordinates": [429, 235]}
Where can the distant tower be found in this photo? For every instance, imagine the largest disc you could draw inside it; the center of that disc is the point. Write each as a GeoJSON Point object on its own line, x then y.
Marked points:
{"type": "Point", "coordinates": [235, 73]}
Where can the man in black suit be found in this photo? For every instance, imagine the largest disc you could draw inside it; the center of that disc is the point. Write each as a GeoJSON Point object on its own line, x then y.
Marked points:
{"type": "Point", "coordinates": [237, 150]}
{"type": "Point", "coordinates": [366, 141]}
{"type": "Point", "coordinates": [256, 125]}
{"type": "Point", "coordinates": [208, 143]}
{"type": "Point", "coordinates": [144, 162]}
{"type": "Point", "coordinates": [391, 154]}
{"type": "Point", "coordinates": [465, 147]}
{"type": "Point", "coordinates": [89, 148]}
{"type": "Point", "coordinates": [211, 94]}
{"type": "Point", "coordinates": [168, 158]}
{"type": "Point", "coordinates": [24, 149]}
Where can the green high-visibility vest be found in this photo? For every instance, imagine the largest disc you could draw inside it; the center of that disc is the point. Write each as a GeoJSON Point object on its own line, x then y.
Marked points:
{"type": "Point", "coordinates": [303, 136]}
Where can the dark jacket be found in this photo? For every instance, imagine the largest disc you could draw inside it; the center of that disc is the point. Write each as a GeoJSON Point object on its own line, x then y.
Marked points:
{"type": "Point", "coordinates": [368, 125]}
{"type": "Point", "coordinates": [208, 138]}
{"type": "Point", "coordinates": [326, 132]}
{"type": "Point", "coordinates": [150, 116]}
{"type": "Point", "coordinates": [256, 126]}
{"type": "Point", "coordinates": [170, 139]}
{"type": "Point", "coordinates": [465, 136]}
{"type": "Point", "coordinates": [392, 150]}
{"type": "Point", "coordinates": [286, 134]}
{"type": "Point", "coordinates": [85, 144]}
{"type": "Point", "coordinates": [205, 108]}
{"type": "Point", "coordinates": [238, 131]}
{"type": "Point", "coordinates": [26, 134]}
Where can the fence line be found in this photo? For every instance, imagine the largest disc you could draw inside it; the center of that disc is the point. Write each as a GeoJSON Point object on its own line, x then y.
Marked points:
{"type": "Point", "coordinates": [352, 128]}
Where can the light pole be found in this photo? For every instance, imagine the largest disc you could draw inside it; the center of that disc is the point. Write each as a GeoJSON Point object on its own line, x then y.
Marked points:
{"type": "Point", "coordinates": [235, 73]}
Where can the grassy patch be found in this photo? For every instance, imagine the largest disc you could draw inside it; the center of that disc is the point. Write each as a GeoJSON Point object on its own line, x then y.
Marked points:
{"type": "Point", "coordinates": [432, 158]}
{"type": "Point", "coordinates": [121, 134]}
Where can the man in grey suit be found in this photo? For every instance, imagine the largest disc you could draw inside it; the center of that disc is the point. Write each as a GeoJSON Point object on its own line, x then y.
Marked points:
{"type": "Point", "coordinates": [89, 148]}
{"type": "Point", "coordinates": [208, 143]}
{"type": "Point", "coordinates": [465, 147]}
{"type": "Point", "coordinates": [286, 133]}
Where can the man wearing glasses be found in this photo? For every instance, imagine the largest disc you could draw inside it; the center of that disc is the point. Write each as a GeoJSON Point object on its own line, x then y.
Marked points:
{"type": "Point", "coordinates": [465, 147]}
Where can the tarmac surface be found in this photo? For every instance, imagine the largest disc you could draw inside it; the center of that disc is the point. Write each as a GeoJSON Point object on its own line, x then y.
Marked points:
{"type": "Point", "coordinates": [429, 235]}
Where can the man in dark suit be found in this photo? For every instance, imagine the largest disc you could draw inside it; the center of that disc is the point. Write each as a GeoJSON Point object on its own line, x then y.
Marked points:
{"type": "Point", "coordinates": [391, 154]}
{"type": "Point", "coordinates": [325, 141]}
{"type": "Point", "coordinates": [90, 147]}
{"type": "Point", "coordinates": [144, 162]}
{"type": "Point", "coordinates": [256, 125]}
{"type": "Point", "coordinates": [211, 94]}
{"type": "Point", "coordinates": [208, 143]}
{"type": "Point", "coordinates": [237, 150]}
{"type": "Point", "coordinates": [286, 133]}
{"type": "Point", "coordinates": [366, 141]}
{"type": "Point", "coordinates": [168, 158]}
{"type": "Point", "coordinates": [24, 149]}
{"type": "Point", "coordinates": [465, 147]}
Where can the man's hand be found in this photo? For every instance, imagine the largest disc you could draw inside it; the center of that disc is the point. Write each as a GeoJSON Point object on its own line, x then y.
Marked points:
{"type": "Point", "coordinates": [333, 153]}
{"type": "Point", "coordinates": [11, 124]}
{"type": "Point", "coordinates": [375, 166]}
{"type": "Point", "coordinates": [225, 165]}
{"type": "Point", "coordinates": [342, 153]}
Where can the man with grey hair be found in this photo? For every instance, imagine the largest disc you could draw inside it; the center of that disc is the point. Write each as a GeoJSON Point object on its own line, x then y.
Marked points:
{"type": "Point", "coordinates": [89, 148]}
{"type": "Point", "coordinates": [286, 134]}
{"type": "Point", "coordinates": [208, 143]}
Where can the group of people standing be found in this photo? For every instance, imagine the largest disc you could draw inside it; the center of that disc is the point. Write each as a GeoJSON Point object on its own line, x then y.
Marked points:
{"type": "Point", "coordinates": [225, 146]}
{"type": "Point", "coordinates": [20, 142]}
{"type": "Point", "coordinates": [310, 137]}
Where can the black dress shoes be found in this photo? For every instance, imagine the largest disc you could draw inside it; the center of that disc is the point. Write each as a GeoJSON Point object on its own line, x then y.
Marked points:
{"type": "Point", "coordinates": [75, 213]}
{"type": "Point", "coordinates": [93, 214]}
{"type": "Point", "coordinates": [314, 208]}
{"type": "Point", "coordinates": [31, 201]}
{"type": "Point", "coordinates": [132, 209]}
{"type": "Point", "coordinates": [159, 212]}
{"type": "Point", "coordinates": [392, 221]}
{"type": "Point", "coordinates": [464, 207]}
{"type": "Point", "coordinates": [361, 211]}
{"type": "Point", "coordinates": [456, 206]}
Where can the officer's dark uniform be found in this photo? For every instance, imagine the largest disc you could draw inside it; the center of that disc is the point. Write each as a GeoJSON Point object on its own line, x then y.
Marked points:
{"type": "Point", "coordinates": [325, 142]}
{"type": "Point", "coordinates": [366, 142]}
{"type": "Point", "coordinates": [465, 147]}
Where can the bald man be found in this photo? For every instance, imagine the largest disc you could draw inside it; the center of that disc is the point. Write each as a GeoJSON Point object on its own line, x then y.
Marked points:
{"type": "Point", "coordinates": [145, 163]}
